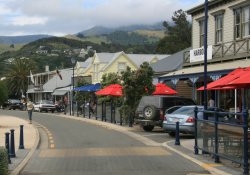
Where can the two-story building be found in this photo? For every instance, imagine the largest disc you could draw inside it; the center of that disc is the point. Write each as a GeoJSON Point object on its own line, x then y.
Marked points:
{"type": "Point", "coordinates": [228, 47]}
{"type": "Point", "coordinates": [104, 63]}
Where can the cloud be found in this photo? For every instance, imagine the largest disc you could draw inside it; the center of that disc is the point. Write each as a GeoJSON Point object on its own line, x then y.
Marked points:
{"type": "Point", "coordinates": [72, 16]}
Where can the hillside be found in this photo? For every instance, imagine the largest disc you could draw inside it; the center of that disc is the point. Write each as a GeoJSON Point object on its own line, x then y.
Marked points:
{"type": "Point", "coordinates": [99, 30]}
{"type": "Point", "coordinates": [21, 39]}
{"type": "Point", "coordinates": [57, 51]}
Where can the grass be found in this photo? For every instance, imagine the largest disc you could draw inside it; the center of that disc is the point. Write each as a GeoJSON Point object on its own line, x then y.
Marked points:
{"type": "Point", "coordinates": [151, 33]}
{"type": "Point", "coordinates": [6, 47]}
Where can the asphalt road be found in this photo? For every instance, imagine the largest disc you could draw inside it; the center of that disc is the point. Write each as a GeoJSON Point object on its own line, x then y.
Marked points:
{"type": "Point", "coordinates": [71, 147]}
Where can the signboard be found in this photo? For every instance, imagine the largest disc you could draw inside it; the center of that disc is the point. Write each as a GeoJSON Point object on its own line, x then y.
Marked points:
{"type": "Point", "coordinates": [198, 54]}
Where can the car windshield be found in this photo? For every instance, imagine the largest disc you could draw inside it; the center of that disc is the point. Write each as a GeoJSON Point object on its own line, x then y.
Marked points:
{"type": "Point", "coordinates": [47, 102]}
{"type": "Point", "coordinates": [187, 110]}
{"type": "Point", "coordinates": [14, 101]}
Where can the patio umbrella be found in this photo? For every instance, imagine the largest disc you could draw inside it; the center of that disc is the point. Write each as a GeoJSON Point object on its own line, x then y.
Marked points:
{"type": "Point", "coordinates": [220, 83]}
{"type": "Point", "coordinates": [242, 81]}
{"type": "Point", "coordinates": [112, 90]}
{"type": "Point", "coordinates": [162, 89]}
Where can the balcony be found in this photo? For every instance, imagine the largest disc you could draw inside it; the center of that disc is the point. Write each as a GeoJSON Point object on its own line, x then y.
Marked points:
{"type": "Point", "coordinates": [38, 87]}
{"type": "Point", "coordinates": [228, 51]}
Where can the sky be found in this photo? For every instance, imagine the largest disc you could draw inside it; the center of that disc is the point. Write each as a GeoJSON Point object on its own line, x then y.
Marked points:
{"type": "Point", "coordinates": [62, 17]}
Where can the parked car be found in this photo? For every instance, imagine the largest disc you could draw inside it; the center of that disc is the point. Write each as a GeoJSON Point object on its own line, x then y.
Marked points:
{"type": "Point", "coordinates": [12, 104]}
{"type": "Point", "coordinates": [185, 116]}
{"type": "Point", "coordinates": [150, 111]}
{"type": "Point", "coordinates": [45, 105]}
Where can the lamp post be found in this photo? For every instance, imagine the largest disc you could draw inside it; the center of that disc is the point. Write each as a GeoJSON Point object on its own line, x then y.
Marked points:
{"type": "Point", "coordinates": [205, 57]}
{"type": "Point", "coordinates": [73, 61]}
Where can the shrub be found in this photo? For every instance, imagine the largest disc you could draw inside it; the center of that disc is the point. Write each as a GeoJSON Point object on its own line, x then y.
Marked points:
{"type": "Point", "coordinates": [3, 161]}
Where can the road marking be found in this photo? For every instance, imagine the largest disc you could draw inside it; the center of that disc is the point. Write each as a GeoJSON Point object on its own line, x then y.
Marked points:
{"type": "Point", "coordinates": [128, 151]}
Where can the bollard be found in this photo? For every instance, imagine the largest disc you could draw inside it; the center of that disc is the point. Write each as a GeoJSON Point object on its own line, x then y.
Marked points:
{"type": "Point", "coordinates": [12, 143]}
{"type": "Point", "coordinates": [177, 134]}
{"type": "Point", "coordinates": [7, 145]}
{"type": "Point", "coordinates": [21, 145]}
{"type": "Point", "coordinates": [196, 151]}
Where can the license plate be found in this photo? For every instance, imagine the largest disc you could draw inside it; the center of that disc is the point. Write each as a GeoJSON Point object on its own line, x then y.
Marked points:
{"type": "Point", "coordinates": [176, 120]}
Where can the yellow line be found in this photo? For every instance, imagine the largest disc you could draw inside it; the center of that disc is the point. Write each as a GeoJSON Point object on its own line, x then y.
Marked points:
{"type": "Point", "coordinates": [207, 165]}
{"type": "Point", "coordinates": [128, 151]}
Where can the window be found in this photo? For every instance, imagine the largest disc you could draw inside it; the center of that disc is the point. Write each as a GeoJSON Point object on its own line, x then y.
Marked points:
{"type": "Point", "coordinates": [245, 21]}
{"type": "Point", "coordinates": [121, 67]}
{"type": "Point", "coordinates": [202, 32]}
{"type": "Point", "coordinates": [242, 22]}
{"type": "Point", "coordinates": [218, 28]}
{"type": "Point", "coordinates": [237, 24]}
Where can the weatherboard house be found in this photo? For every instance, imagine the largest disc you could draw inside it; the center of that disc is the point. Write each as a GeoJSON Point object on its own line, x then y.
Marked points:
{"type": "Point", "coordinates": [104, 63]}
{"type": "Point", "coordinates": [228, 41]}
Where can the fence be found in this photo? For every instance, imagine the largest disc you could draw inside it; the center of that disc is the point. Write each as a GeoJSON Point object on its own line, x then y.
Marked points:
{"type": "Point", "coordinates": [223, 139]}
{"type": "Point", "coordinates": [103, 111]}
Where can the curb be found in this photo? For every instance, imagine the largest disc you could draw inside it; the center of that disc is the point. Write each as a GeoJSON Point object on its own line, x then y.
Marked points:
{"type": "Point", "coordinates": [24, 162]}
{"type": "Point", "coordinates": [212, 170]}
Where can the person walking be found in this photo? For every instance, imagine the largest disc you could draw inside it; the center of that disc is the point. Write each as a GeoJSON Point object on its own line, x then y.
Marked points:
{"type": "Point", "coordinates": [65, 103]}
{"type": "Point", "coordinates": [30, 110]}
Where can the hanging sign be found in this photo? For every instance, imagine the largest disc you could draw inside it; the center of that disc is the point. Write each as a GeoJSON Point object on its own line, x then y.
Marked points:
{"type": "Point", "coordinates": [198, 54]}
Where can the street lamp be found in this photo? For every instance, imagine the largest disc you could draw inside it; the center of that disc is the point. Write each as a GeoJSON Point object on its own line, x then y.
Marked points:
{"type": "Point", "coordinates": [73, 61]}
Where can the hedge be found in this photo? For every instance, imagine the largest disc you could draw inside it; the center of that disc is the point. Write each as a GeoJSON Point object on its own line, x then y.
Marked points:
{"type": "Point", "coordinates": [3, 161]}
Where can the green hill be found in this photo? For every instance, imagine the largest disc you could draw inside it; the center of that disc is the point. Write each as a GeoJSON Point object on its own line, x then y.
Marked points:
{"type": "Point", "coordinates": [58, 51]}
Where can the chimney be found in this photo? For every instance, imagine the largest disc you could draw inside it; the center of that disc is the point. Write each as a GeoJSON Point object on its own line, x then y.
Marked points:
{"type": "Point", "coordinates": [47, 68]}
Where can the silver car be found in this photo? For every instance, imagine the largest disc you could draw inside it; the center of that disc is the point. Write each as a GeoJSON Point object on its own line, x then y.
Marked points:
{"type": "Point", "coordinates": [185, 116]}
{"type": "Point", "coordinates": [44, 105]}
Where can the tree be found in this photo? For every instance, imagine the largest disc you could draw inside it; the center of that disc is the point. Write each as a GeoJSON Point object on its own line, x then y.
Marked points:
{"type": "Point", "coordinates": [136, 84]}
{"type": "Point", "coordinates": [178, 37]}
{"type": "Point", "coordinates": [3, 92]}
{"type": "Point", "coordinates": [17, 75]}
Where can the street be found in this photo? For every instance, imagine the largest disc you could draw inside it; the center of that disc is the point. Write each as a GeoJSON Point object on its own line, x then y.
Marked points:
{"type": "Point", "coordinates": [75, 147]}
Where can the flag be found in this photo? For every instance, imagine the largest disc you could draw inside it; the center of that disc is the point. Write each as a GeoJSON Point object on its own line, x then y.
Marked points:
{"type": "Point", "coordinates": [58, 73]}
{"type": "Point", "coordinates": [32, 77]}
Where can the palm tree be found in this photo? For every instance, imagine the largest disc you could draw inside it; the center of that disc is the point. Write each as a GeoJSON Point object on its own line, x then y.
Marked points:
{"type": "Point", "coordinates": [17, 73]}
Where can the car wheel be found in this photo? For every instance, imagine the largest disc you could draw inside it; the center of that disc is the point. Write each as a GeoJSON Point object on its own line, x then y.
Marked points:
{"type": "Point", "coordinates": [52, 111]}
{"type": "Point", "coordinates": [148, 128]}
{"type": "Point", "coordinates": [172, 134]}
{"type": "Point", "coordinates": [39, 110]}
{"type": "Point", "coordinates": [149, 112]}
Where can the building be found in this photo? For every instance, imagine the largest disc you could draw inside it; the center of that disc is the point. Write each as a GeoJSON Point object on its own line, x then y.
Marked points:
{"type": "Point", "coordinates": [104, 63]}
{"type": "Point", "coordinates": [228, 47]}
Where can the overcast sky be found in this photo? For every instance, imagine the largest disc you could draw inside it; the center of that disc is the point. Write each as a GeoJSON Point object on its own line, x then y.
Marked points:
{"type": "Point", "coordinates": [61, 17]}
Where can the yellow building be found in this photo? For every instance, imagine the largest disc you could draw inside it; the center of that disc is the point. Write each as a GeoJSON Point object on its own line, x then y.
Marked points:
{"type": "Point", "coordinates": [103, 63]}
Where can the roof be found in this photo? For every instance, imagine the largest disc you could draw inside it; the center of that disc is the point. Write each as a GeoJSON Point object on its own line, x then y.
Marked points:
{"type": "Point", "coordinates": [56, 82]}
{"type": "Point", "coordinates": [170, 63]}
{"type": "Point", "coordinates": [202, 6]}
{"type": "Point", "coordinates": [105, 57]}
{"type": "Point", "coordinates": [115, 56]}
{"type": "Point", "coordinates": [138, 59]}
{"type": "Point", "coordinates": [86, 63]}
{"type": "Point", "coordinates": [226, 66]}
{"type": "Point", "coordinates": [61, 91]}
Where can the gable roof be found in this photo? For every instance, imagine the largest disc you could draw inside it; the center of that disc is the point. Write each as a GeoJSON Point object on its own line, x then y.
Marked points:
{"type": "Point", "coordinates": [138, 59]}
{"type": "Point", "coordinates": [105, 57]}
{"type": "Point", "coordinates": [170, 63]}
{"type": "Point", "coordinates": [56, 82]}
{"type": "Point", "coordinates": [86, 63]}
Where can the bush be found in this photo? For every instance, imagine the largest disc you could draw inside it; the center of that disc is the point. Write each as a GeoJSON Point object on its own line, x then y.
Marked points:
{"type": "Point", "coordinates": [3, 161]}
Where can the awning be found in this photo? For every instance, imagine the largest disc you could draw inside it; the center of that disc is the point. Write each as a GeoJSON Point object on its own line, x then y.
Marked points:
{"type": "Point", "coordinates": [212, 69]}
{"type": "Point", "coordinates": [89, 88]}
{"type": "Point", "coordinates": [61, 91]}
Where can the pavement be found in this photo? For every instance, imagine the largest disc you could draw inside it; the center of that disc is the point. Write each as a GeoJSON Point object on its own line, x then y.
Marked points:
{"type": "Point", "coordinates": [31, 141]}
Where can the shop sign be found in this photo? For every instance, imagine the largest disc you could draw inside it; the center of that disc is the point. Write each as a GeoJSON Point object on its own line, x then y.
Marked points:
{"type": "Point", "coordinates": [198, 54]}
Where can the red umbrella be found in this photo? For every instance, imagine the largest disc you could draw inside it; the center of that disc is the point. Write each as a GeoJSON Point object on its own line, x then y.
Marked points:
{"type": "Point", "coordinates": [242, 81]}
{"type": "Point", "coordinates": [113, 90]}
{"type": "Point", "coordinates": [220, 83]}
{"type": "Point", "coordinates": [162, 89]}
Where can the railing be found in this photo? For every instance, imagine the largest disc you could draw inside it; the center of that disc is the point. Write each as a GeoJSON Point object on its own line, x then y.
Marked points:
{"type": "Point", "coordinates": [228, 140]}
{"type": "Point", "coordinates": [225, 51]}
{"type": "Point", "coordinates": [38, 87]}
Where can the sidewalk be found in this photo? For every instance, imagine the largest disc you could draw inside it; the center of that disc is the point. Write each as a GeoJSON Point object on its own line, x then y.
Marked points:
{"type": "Point", "coordinates": [30, 135]}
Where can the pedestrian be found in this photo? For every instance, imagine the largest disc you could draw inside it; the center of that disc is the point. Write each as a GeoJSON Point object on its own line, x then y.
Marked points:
{"type": "Point", "coordinates": [65, 104]}
{"type": "Point", "coordinates": [211, 102]}
{"type": "Point", "coordinates": [30, 109]}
